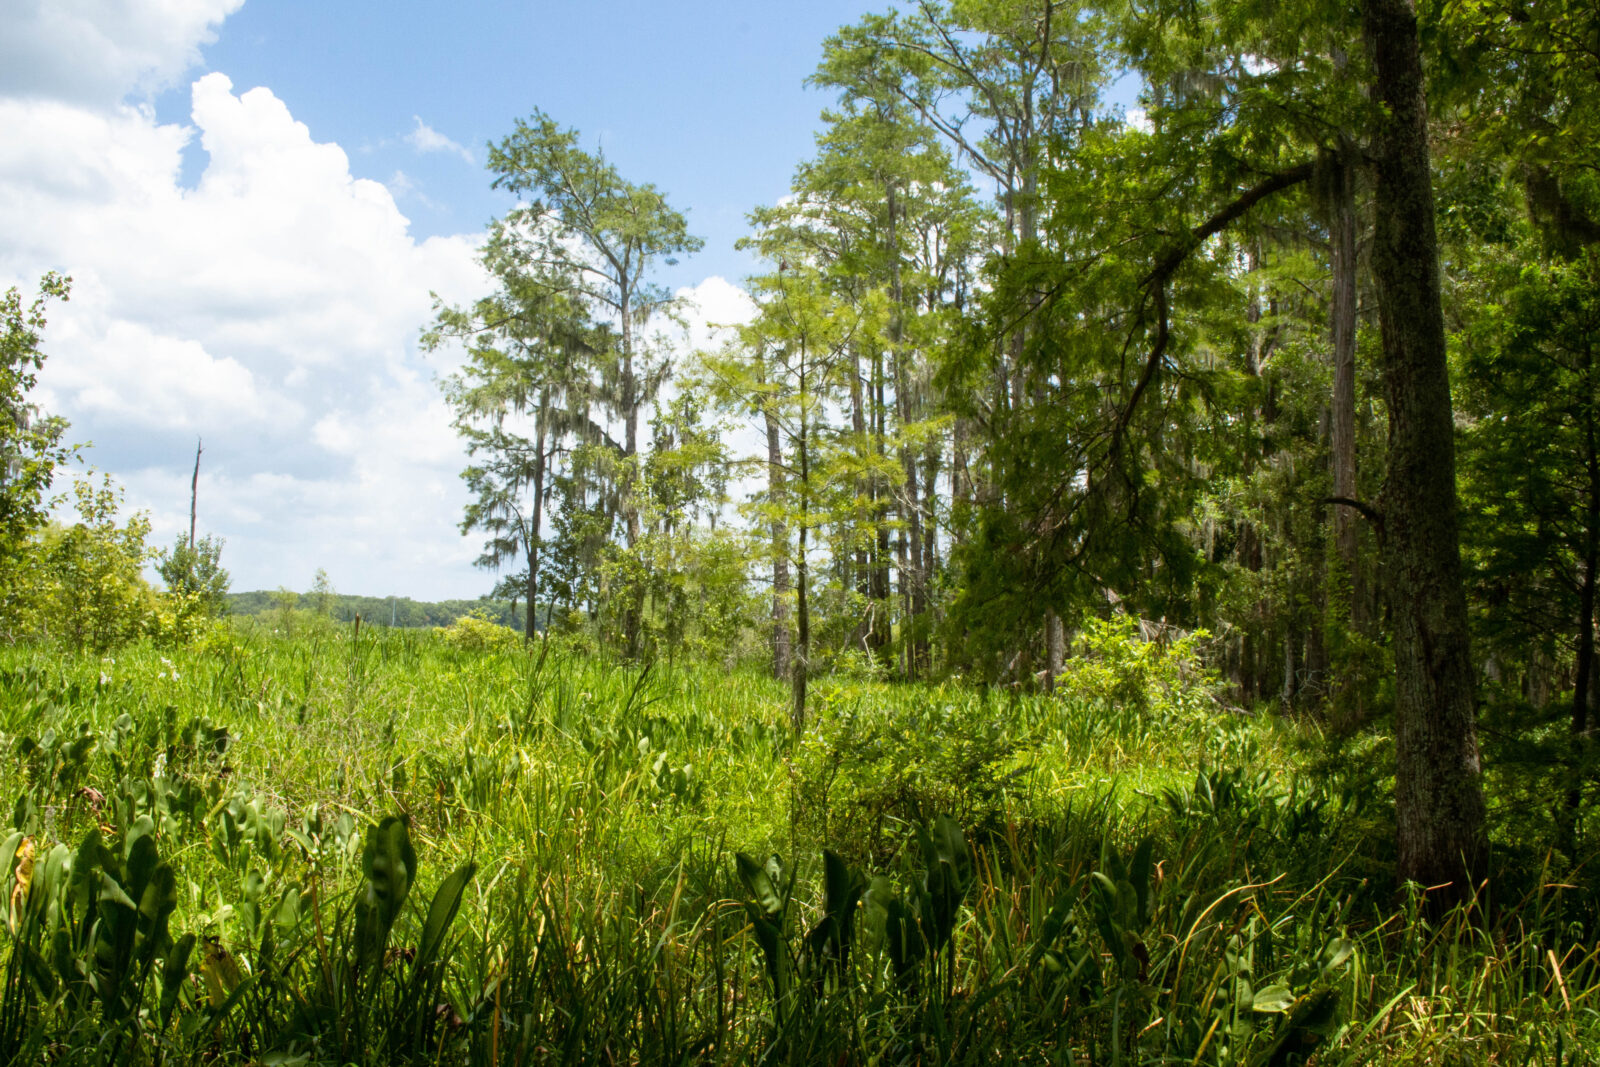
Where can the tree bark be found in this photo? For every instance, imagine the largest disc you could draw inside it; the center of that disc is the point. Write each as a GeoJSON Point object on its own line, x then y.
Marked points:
{"type": "Point", "coordinates": [633, 611]}
{"type": "Point", "coordinates": [802, 659]}
{"type": "Point", "coordinates": [194, 496]}
{"type": "Point", "coordinates": [1439, 806]}
{"type": "Point", "coordinates": [1345, 530]}
{"type": "Point", "coordinates": [882, 615]}
{"type": "Point", "coordinates": [1350, 609]}
{"type": "Point", "coordinates": [862, 576]}
{"type": "Point", "coordinates": [780, 552]}
{"type": "Point", "coordinates": [1584, 682]}
{"type": "Point", "coordinates": [530, 625]}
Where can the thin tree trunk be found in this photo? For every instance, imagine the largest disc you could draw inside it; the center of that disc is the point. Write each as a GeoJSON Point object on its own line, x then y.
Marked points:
{"type": "Point", "coordinates": [862, 578]}
{"type": "Point", "coordinates": [194, 494]}
{"type": "Point", "coordinates": [1439, 806]}
{"type": "Point", "coordinates": [530, 625]}
{"type": "Point", "coordinates": [802, 661]}
{"type": "Point", "coordinates": [1343, 428]}
{"type": "Point", "coordinates": [1584, 684]}
{"type": "Point", "coordinates": [922, 650]}
{"type": "Point", "coordinates": [781, 666]}
{"type": "Point", "coordinates": [882, 616]}
{"type": "Point", "coordinates": [1055, 649]}
{"type": "Point", "coordinates": [634, 607]}
{"type": "Point", "coordinates": [910, 540]}
{"type": "Point", "coordinates": [1350, 609]}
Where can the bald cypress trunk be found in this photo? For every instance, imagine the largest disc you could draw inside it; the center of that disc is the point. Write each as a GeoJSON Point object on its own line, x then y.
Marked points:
{"type": "Point", "coordinates": [1439, 805]}
{"type": "Point", "coordinates": [780, 551]}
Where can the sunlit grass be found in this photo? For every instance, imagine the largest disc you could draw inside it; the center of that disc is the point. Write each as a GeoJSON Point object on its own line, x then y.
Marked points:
{"type": "Point", "coordinates": [1157, 883]}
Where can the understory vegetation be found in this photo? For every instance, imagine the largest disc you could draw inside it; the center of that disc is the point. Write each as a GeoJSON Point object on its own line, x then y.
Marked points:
{"type": "Point", "coordinates": [363, 845]}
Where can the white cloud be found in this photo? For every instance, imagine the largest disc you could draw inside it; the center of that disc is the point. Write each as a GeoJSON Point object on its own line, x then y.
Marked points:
{"type": "Point", "coordinates": [94, 51]}
{"type": "Point", "coordinates": [272, 309]}
{"type": "Point", "coordinates": [425, 139]}
{"type": "Point", "coordinates": [124, 371]}
{"type": "Point", "coordinates": [711, 308]}
{"type": "Point", "coordinates": [1137, 118]}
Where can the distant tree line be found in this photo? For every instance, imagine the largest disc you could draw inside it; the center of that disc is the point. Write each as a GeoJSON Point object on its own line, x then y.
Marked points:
{"type": "Point", "coordinates": [382, 611]}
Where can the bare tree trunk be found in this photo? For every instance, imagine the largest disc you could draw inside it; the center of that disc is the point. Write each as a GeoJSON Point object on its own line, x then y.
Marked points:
{"type": "Point", "coordinates": [781, 667]}
{"type": "Point", "coordinates": [633, 610]}
{"type": "Point", "coordinates": [1345, 530]}
{"type": "Point", "coordinates": [1055, 649]}
{"type": "Point", "coordinates": [1439, 806]}
{"type": "Point", "coordinates": [862, 578]}
{"type": "Point", "coordinates": [1583, 687]}
{"type": "Point", "coordinates": [531, 623]}
{"type": "Point", "coordinates": [802, 660]}
{"type": "Point", "coordinates": [194, 492]}
{"type": "Point", "coordinates": [922, 649]}
{"type": "Point", "coordinates": [960, 478]}
{"type": "Point", "coordinates": [882, 616]}
{"type": "Point", "coordinates": [1351, 610]}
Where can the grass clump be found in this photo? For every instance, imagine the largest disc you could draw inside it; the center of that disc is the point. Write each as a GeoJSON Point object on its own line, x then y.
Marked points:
{"type": "Point", "coordinates": [358, 845]}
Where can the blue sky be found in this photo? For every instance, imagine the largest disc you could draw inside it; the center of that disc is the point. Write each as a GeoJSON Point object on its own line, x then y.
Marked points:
{"type": "Point", "coordinates": [257, 201]}
{"type": "Point", "coordinates": [705, 100]}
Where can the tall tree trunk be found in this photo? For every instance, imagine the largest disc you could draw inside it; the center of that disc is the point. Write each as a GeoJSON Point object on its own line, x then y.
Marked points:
{"type": "Point", "coordinates": [1343, 428]}
{"type": "Point", "coordinates": [194, 497]}
{"type": "Point", "coordinates": [1350, 610]}
{"type": "Point", "coordinates": [910, 540]}
{"type": "Point", "coordinates": [922, 647]}
{"type": "Point", "coordinates": [882, 616]}
{"type": "Point", "coordinates": [633, 609]}
{"type": "Point", "coordinates": [530, 624]}
{"type": "Point", "coordinates": [960, 479]}
{"type": "Point", "coordinates": [862, 578]}
{"type": "Point", "coordinates": [1055, 640]}
{"type": "Point", "coordinates": [802, 659]}
{"type": "Point", "coordinates": [781, 666]}
{"type": "Point", "coordinates": [1439, 806]}
{"type": "Point", "coordinates": [1584, 684]}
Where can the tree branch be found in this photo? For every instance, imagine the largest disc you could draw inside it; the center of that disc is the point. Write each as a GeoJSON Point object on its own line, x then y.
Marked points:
{"type": "Point", "coordinates": [1367, 511]}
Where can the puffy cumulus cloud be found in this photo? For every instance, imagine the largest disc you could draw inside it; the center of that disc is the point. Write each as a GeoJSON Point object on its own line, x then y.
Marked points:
{"type": "Point", "coordinates": [94, 51]}
{"type": "Point", "coordinates": [711, 308]}
{"type": "Point", "coordinates": [425, 139]}
{"type": "Point", "coordinates": [124, 371]}
{"type": "Point", "coordinates": [272, 309]}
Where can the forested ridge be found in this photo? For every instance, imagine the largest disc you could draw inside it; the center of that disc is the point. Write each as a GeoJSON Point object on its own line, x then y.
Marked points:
{"type": "Point", "coordinates": [1114, 534]}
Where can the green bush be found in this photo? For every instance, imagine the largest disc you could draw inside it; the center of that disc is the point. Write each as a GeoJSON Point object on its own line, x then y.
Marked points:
{"type": "Point", "coordinates": [1159, 683]}
{"type": "Point", "coordinates": [475, 632]}
{"type": "Point", "coordinates": [86, 584]}
{"type": "Point", "coordinates": [867, 770]}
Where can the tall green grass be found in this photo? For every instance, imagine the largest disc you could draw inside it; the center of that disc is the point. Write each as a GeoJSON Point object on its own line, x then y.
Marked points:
{"type": "Point", "coordinates": [355, 845]}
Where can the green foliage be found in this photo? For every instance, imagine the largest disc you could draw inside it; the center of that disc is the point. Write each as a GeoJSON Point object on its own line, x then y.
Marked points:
{"type": "Point", "coordinates": [1110, 903]}
{"type": "Point", "coordinates": [1150, 685]}
{"type": "Point", "coordinates": [866, 773]}
{"type": "Point", "coordinates": [477, 632]}
{"type": "Point", "coordinates": [86, 581]}
{"type": "Point", "coordinates": [195, 573]}
{"type": "Point", "coordinates": [30, 445]}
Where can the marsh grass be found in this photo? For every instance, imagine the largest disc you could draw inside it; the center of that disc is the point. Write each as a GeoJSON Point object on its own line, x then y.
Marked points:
{"type": "Point", "coordinates": [378, 846]}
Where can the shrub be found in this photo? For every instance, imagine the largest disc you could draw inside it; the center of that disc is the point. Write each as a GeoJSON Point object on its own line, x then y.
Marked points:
{"type": "Point", "coordinates": [87, 583]}
{"type": "Point", "coordinates": [1120, 673]}
{"type": "Point", "coordinates": [870, 769]}
{"type": "Point", "coordinates": [195, 573]}
{"type": "Point", "coordinates": [475, 632]}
